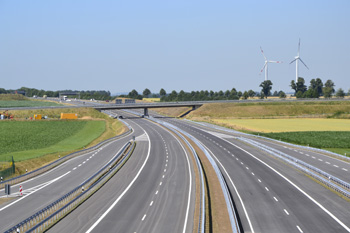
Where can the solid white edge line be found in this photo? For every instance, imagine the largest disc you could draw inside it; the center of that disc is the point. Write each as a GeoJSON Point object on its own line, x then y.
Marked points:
{"type": "Point", "coordinates": [48, 183]}
{"type": "Point", "coordinates": [295, 186]}
{"type": "Point", "coordinates": [127, 188]}
{"type": "Point", "coordinates": [239, 196]}
{"type": "Point", "coordinates": [190, 185]}
{"type": "Point", "coordinates": [299, 229]}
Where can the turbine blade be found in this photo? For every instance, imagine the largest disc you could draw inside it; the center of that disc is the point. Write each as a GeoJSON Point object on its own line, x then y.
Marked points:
{"type": "Point", "coordinates": [262, 53]}
{"type": "Point", "coordinates": [292, 61]}
{"type": "Point", "coordinates": [303, 63]}
{"type": "Point", "coordinates": [275, 61]}
{"type": "Point", "coordinates": [299, 47]}
{"type": "Point", "coordinates": [263, 67]}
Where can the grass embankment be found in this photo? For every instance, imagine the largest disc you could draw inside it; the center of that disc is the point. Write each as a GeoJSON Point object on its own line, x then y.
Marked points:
{"type": "Point", "coordinates": [323, 125]}
{"type": "Point", "coordinates": [171, 112]}
{"type": "Point", "coordinates": [36, 143]}
{"type": "Point", "coordinates": [338, 109]}
{"type": "Point", "coordinates": [15, 100]}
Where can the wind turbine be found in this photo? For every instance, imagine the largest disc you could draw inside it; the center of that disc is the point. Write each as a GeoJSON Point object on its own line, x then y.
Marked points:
{"type": "Point", "coordinates": [266, 64]}
{"type": "Point", "coordinates": [296, 59]}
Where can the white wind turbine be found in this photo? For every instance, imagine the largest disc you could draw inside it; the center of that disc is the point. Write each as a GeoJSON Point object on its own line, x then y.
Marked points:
{"type": "Point", "coordinates": [266, 64]}
{"type": "Point", "coordinates": [296, 59]}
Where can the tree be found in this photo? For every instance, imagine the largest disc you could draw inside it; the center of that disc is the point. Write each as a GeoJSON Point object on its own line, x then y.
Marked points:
{"type": "Point", "coordinates": [299, 86]}
{"type": "Point", "coordinates": [340, 93]}
{"type": "Point", "coordinates": [162, 92]}
{"type": "Point", "coordinates": [328, 89]}
{"type": "Point", "coordinates": [245, 95]}
{"type": "Point", "coordinates": [146, 92]}
{"type": "Point", "coordinates": [239, 94]}
{"type": "Point", "coordinates": [316, 85]}
{"type": "Point", "coordinates": [251, 93]}
{"type": "Point", "coordinates": [282, 95]}
{"type": "Point", "coordinates": [266, 87]}
{"type": "Point", "coordinates": [133, 94]}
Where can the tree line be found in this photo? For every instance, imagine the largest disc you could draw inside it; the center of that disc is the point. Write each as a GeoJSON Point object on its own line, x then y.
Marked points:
{"type": "Point", "coordinates": [315, 90]}
{"type": "Point", "coordinates": [31, 92]}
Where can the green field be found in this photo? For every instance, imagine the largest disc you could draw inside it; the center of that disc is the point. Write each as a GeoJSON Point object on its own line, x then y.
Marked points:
{"type": "Point", "coordinates": [336, 141]}
{"type": "Point", "coordinates": [30, 139]}
{"type": "Point", "coordinates": [25, 103]}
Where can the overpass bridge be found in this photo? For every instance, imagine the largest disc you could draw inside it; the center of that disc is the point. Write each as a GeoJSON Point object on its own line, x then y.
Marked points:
{"type": "Point", "coordinates": [101, 107]}
{"type": "Point", "coordinates": [146, 106]}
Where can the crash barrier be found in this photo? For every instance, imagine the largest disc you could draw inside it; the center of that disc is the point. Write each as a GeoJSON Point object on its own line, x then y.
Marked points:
{"type": "Point", "coordinates": [28, 175]}
{"type": "Point", "coordinates": [320, 175]}
{"type": "Point", "coordinates": [201, 222]}
{"type": "Point", "coordinates": [327, 179]}
{"type": "Point", "coordinates": [230, 206]}
{"type": "Point", "coordinates": [228, 200]}
{"type": "Point", "coordinates": [339, 156]}
{"type": "Point", "coordinates": [45, 218]}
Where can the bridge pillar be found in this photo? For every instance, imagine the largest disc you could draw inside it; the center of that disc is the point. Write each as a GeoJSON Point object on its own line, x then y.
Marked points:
{"type": "Point", "coordinates": [194, 107]}
{"type": "Point", "coordinates": [145, 112]}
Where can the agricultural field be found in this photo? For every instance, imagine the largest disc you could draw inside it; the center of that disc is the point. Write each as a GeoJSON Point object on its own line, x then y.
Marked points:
{"type": "Point", "coordinates": [338, 109]}
{"type": "Point", "coordinates": [14, 100]}
{"type": "Point", "coordinates": [336, 141]}
{"type": "Point", "coordinates": [323, 125]}
{"type": "Point", "coordinates": [31, 139]}
{"type": "Point", "coordinates": [36, 143]}
{"type": "Point", "coordinates": [151, 99]}
{"type": "Point", "coordinates": [26, 103]}
{"type": "Point", "coordinates": [285, 125]}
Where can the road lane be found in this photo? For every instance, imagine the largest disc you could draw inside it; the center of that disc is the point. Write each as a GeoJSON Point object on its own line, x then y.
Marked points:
{"type": "Point", "coordinates": [270, 215]}
{"type": "Point", "coordinates": [79, 168]}
{"type": "Point", "coordinates": [157, 200]}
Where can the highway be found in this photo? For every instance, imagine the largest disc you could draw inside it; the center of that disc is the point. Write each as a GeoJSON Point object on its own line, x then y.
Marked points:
{"type": "Point", "coordinates": [42, 190]}
{"type": "Point", "coordinates": [153, 192]}
{"type": "Point", "coordinates": [270, 195]}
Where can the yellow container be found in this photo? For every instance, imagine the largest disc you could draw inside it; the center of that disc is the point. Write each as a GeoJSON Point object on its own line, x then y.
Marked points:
{"type": "Point", "coordinates": [69, 116]}
{"type": "Point", "coordinates": [37, 116]}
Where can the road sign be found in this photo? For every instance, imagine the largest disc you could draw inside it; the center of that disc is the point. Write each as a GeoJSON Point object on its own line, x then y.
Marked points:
{"type": "Point", "coordinates": [20, 190]}
{"type": "Point", "coordinates": [7, 189]}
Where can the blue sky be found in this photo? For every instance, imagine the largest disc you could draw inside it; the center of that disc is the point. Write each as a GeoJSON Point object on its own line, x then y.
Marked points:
{"type": "Point", "coordinates": [175, 45]}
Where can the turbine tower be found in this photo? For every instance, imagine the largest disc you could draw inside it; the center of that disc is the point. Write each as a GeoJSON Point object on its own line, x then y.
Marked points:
{"type": "Point", "coordinates": [296, 59]}
{"type": "Point", "coordinates": [266, 64]}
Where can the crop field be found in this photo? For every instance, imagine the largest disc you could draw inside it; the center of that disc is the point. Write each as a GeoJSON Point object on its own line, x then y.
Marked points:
{"type": "Point", "coordinates": [336, 141]}
{"type": "Point", "coordinates": [151, 99]}
{"type": "Point", "coordinates": [272, 110]}
{"type": "Point", "coordinates": [31, 139]}
{"type": "Point", "coordinates": [25, 103]}
{"type": "Point", "coordinates": [286, 125]}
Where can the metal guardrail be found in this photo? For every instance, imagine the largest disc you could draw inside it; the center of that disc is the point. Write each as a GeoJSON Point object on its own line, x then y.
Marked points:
{"type": "Point", "coordinates": [201, 223]}
{"type": "Point", "coordinates": [322, 176]}
{"type": "Point", "coordinates": [339, 156]}
{"type": "Point", "coordinates": [331, 181]}
{"type": "Point", "coordinates": [55, 163]}
{"type": "Point", "coordinates": [230, 207]}
{"type": "Point", "coordinates": [43, 219]}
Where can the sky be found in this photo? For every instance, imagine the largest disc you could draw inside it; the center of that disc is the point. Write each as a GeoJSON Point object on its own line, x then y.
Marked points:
{"type": "Point", "coordinates": [176, 45]}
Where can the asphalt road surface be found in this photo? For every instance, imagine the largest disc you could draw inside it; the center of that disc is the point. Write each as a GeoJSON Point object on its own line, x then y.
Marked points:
{"type": "Point", "coordinates": [153, 192]}
{"type": "Point", "coordinates": [271, 196]}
